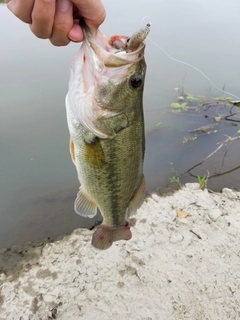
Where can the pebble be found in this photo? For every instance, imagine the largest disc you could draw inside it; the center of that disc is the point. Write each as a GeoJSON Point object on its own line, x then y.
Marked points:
{"type": "Point", "coordinates": [214, 214]}
{"type": "Point", "coordinates": [183, 221]}
{"type": "Point", "coordinates": [229, 193]}
{"type": "Point", "coordinates": [176, 237]}
{"type": "Point", "coordinates": [192, 186]}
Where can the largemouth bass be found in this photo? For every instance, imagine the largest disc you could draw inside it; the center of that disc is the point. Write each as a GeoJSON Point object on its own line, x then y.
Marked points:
{"type": "Point", "coordinates": [106, 124]}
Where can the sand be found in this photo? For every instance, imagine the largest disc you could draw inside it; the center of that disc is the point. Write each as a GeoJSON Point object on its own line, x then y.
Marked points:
{"type": "Point", "coordinates": [183, 262]}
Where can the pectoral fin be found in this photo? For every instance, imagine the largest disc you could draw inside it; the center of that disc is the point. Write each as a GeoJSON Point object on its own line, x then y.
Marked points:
{"type": "Point", "coordinates": [72, 151]}
{"type": "Point", "coordinates": [94, 154]}
{"type": "Point", "coordinates": [84, 205]}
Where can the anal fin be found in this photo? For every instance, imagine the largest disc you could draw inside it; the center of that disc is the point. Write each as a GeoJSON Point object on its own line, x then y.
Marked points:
{"type": "Point", "coordinates": [84, 205]}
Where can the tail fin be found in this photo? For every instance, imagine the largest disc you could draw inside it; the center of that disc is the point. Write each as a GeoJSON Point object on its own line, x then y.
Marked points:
{"type": "Point", "coordinates": [104, 236]}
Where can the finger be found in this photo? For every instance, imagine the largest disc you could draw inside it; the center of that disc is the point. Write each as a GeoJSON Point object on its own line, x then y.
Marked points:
{"type": "Point", "coordinates": [42, 18]}
{"type": "Point", "coordinates": [92, 11]}
{"type": "Point", "coordinates": [76, 33]}
{"type": "Point", "coordinates": [63, 22]}
{"type": "Point", "coordinates": [21, 9]}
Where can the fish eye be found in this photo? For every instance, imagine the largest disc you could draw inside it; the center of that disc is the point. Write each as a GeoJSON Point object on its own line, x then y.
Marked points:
{"type": "Point", "coordinates": [136, 81]}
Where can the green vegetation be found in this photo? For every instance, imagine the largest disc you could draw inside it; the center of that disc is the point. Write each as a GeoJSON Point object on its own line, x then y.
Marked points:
{"type": "Point", "coordinates": [215, 115]}
{"type": "Point", "coordinates": [224, 99]}
{"type": "Point", "coordinates": [2, 1]}
{"type": "Point", "coordinates": [190, 97]}
{"type": "Point", "coordinates": [188, 101]}
{"type": "Point", "coordinates": [175, 179]}
{"type": "Point", "coordinates": [177, 105]}
{"type": "Point", "coordinates": [202, 181]}
{"type": "Point", "coordinates": [186, 139]}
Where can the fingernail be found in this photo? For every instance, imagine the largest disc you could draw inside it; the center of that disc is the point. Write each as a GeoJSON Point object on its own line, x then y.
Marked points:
{"type": "Point", "coordinates": [63, 5]}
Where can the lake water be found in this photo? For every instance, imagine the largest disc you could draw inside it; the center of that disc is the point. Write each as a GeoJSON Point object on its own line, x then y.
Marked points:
{"type": "Point", "coordinates": [38, 182]}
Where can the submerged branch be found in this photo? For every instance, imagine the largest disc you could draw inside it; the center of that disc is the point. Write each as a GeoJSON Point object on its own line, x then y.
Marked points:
{"type": "Point", "coordinates": [231, 115]}
{"type": "Point", "coordinates": [228, 140]}
{"type": "Point", "coordinates": [216, 174]}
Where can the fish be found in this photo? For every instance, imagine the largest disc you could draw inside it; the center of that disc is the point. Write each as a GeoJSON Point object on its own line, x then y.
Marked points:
{"type": "Point", "coordinates": [104, 107]}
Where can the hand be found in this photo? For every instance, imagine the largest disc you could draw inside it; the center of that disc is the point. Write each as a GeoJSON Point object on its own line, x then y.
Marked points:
{"type": "Point", "coordinates": [57, 20]}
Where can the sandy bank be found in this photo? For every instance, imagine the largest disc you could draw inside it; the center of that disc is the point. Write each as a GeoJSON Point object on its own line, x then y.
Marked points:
{"type": "Point", "coordinates": [173, 268]}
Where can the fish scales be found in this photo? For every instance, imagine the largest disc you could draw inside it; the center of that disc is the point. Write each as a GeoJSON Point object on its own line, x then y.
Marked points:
{"type": "Point", "coordinates": [117, 178]}
{"type": "Point", "coordinates": [106, 124]}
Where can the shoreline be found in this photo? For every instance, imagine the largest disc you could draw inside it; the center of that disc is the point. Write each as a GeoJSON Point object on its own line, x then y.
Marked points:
{"type": "Point", "coordinates": [181, 263]}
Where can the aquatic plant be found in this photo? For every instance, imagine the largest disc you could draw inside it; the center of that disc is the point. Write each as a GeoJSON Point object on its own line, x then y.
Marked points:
{"type": "Point", "coordinates": [186, 139]}
{"type": "Point", "coordinates": [175, 179]}
{"type": "Point", "coordinates": [190, 97]}
{"type": "Point", "coordinates": [177, 105]}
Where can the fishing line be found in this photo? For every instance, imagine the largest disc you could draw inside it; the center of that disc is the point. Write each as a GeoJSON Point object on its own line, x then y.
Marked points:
{"type": "Point", "coordinates": [189, 65]}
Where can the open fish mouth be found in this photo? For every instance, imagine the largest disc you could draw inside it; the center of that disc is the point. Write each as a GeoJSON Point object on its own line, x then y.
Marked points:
{"type": "Point", "coordinates": [118, 50]}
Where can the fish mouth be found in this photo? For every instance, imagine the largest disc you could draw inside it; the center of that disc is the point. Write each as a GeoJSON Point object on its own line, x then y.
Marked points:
{"type": "Point", "coordinates": [118, 50]}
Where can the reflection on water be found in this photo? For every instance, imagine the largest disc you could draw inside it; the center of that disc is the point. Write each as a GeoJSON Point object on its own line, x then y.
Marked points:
{"type": "Point", "coordinates": [38, 181]}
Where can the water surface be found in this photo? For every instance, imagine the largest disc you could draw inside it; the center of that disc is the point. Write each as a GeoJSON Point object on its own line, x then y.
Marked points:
{"type": "Point", "coordinates": [38, 182]}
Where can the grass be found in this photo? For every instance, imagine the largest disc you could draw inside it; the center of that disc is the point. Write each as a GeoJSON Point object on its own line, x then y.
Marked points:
{"type": "Point", "coordinates": [202, 181]}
